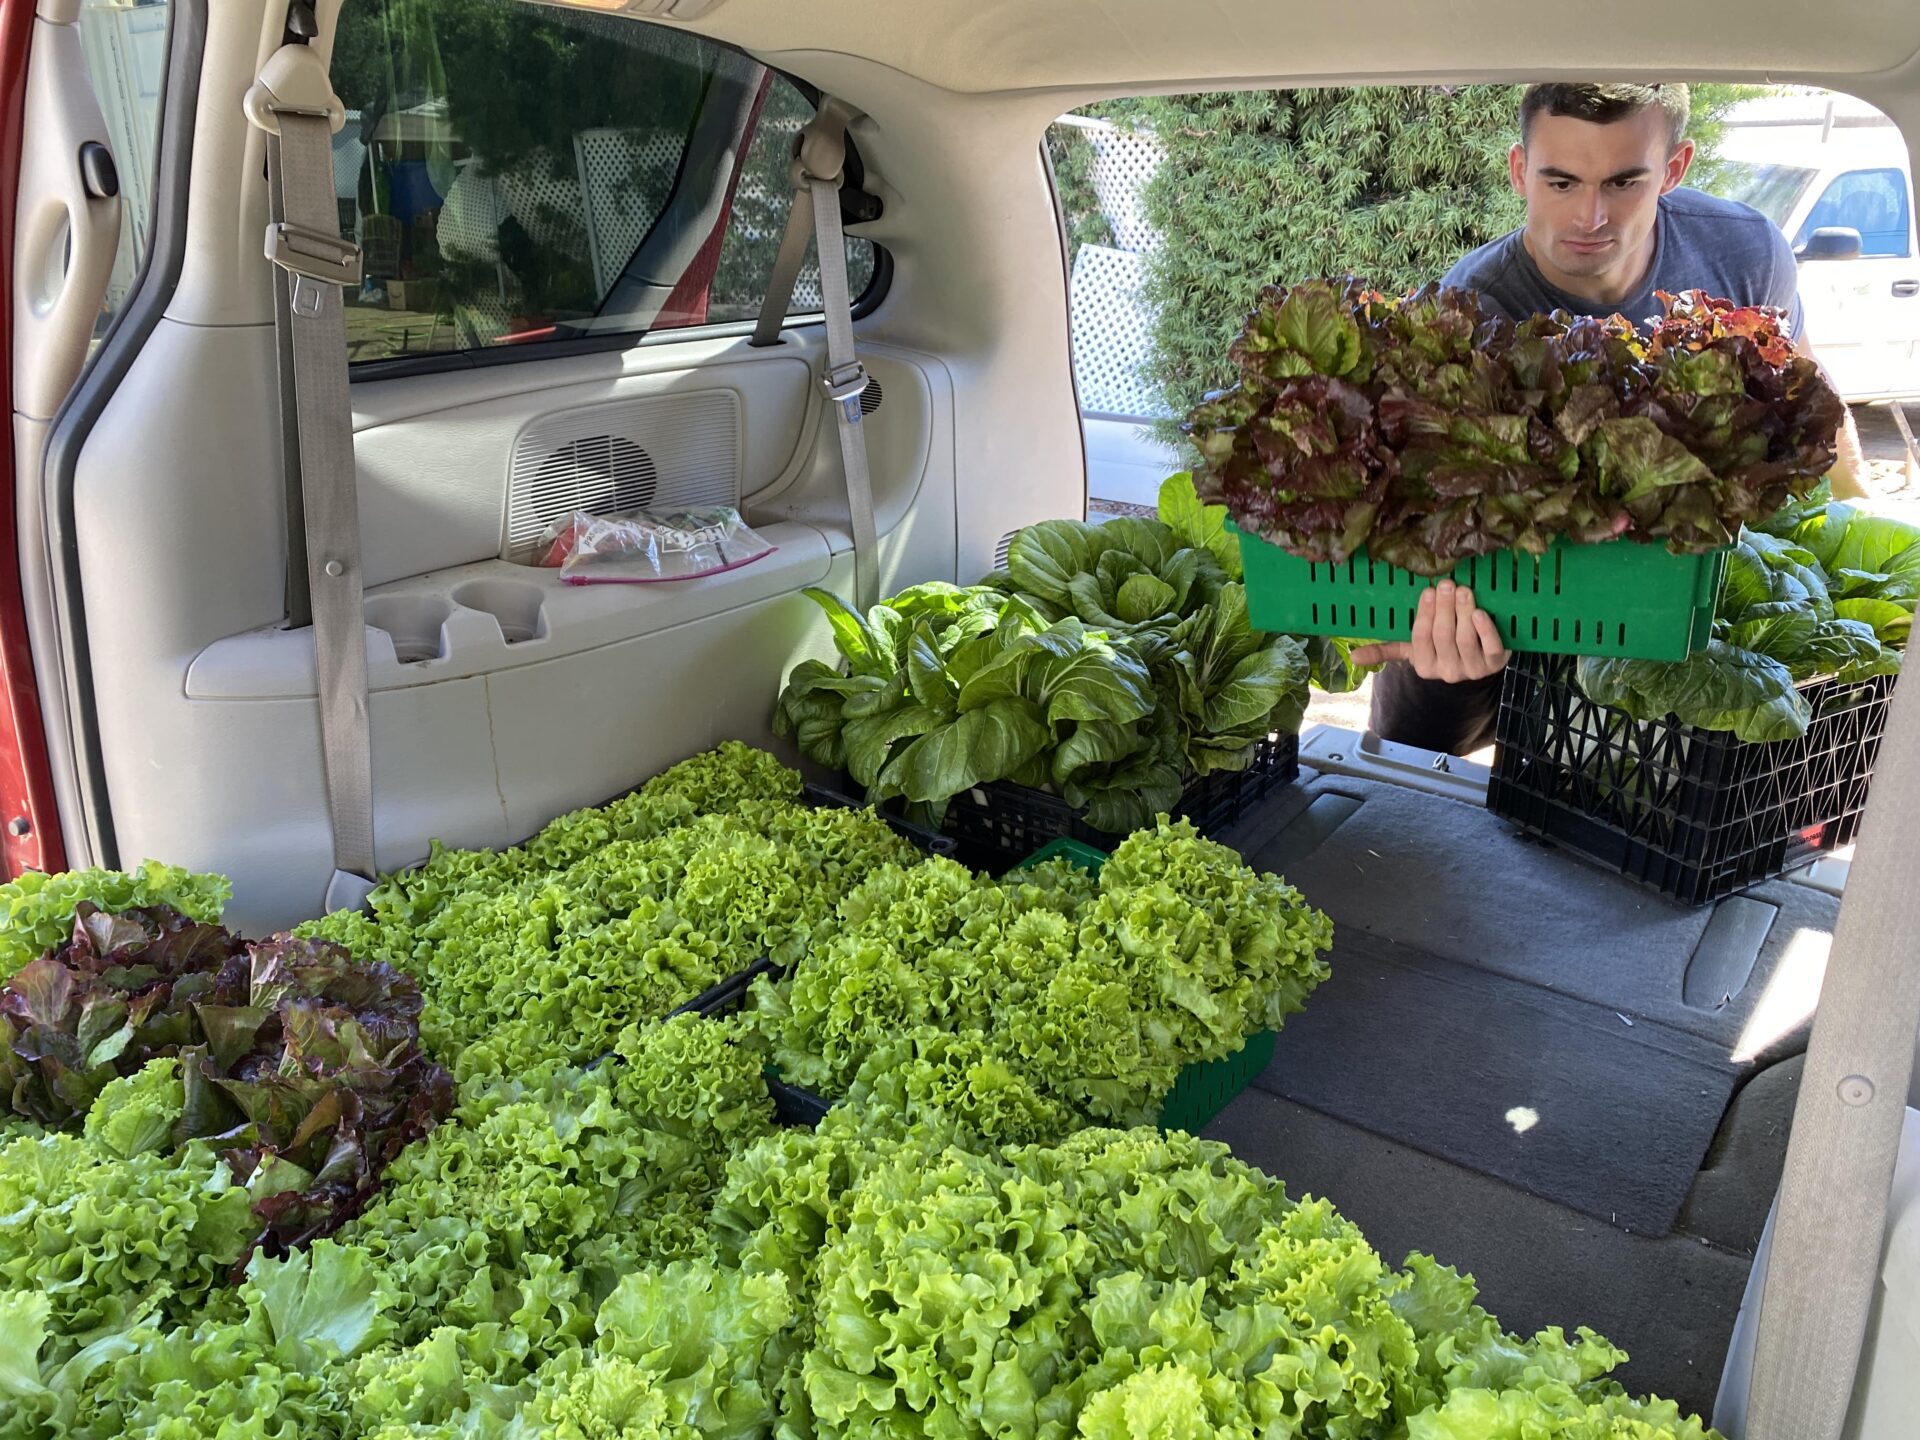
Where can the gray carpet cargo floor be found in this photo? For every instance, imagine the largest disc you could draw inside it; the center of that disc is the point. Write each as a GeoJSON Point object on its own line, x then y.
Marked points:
{"type": "Point", "coordinates": [1416, 880]}
{"type": "Point", "coordinates": [1561, 1097]}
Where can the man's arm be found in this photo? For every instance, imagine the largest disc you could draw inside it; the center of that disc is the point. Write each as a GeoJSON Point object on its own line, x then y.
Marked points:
{"type": "Point", "coordinates": [1849, 471]}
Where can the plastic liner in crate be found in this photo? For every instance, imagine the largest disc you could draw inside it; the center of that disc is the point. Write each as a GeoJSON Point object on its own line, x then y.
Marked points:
{"type": "Point", "coordinates": [1621, 598]}
{"type": "Point", "coordinates": [1201, 1090]}
{"type": "Point", "coordinates": [1695, 814]}
{"type": "Point", "coordinates": [1000, 823]}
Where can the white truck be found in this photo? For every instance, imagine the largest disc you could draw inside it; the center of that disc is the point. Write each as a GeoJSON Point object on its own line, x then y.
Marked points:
{"type": "Point", "coordinates": [1832, 172]}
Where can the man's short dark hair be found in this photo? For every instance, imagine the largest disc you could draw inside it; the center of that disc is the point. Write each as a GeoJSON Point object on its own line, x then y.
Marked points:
{"type": "Point", "coordinates": [1604, 104]}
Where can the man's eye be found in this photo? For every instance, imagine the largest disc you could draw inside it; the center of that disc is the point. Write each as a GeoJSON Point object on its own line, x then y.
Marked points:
{"type": "Point", "coordinates": [1625, 184]}
{"type": "Point", "coordinates": [1561, 185]}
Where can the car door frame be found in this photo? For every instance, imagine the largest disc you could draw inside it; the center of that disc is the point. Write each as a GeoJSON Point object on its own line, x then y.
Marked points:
{"type": "Point", "coordinates": [75, 765]}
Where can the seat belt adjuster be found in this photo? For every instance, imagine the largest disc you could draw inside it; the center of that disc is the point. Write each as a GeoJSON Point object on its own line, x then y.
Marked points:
{"type": "Point", "coordinates": [845, 384]}
{"type": "Point", "coordinates": [314, 259]}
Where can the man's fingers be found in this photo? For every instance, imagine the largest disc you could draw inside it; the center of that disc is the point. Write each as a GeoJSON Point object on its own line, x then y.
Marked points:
{"type": "Point", "coordinates": [1453, 639]}
{"type": "Point", "coordinates": [1420, 648]}
{"type": "Point", "coordinates": [1492, 648]}
{"type": "Point", "coordinates": [1381, 654]}
{"type": "Point", "coordinates": [1446, 629]}
{"type": "Point", "coordinates": [1466, 635]}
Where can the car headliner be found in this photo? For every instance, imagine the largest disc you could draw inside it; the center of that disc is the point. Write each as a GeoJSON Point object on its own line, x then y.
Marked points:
{"type": "Point", "coordinates": [982, 46]}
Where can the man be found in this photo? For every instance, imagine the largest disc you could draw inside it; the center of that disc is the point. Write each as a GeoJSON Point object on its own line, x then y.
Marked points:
{"type": "Point", "coordinates": [1608, 224]}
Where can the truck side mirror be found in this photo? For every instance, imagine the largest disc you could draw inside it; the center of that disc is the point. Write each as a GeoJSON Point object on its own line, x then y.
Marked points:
{"type": "Point", "coordinates": [1830, 242]}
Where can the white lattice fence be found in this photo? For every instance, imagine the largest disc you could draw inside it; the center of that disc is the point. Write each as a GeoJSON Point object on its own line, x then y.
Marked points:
{"type": "Point", "coordinates": [1123, 163]}
{"type": "Point", "coordinates": [624, 180]}
{"type": "Point", "coordinates": [1110, 326]}
{"type": "Point", "coordinates": [1110, 320]}
{"type": "Point", "coordinates": [471, 216]}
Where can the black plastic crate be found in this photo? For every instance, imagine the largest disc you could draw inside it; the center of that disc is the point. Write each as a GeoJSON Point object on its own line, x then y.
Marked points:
{"type": "Point", "coordinates": [791, 1104]}
{"type": "Point", "coordinates": [930, 841]}
{"type": "Point", "coordinates": [1695, 814]}
{"type": "Point", "coordinates": [1000, 824]}
{"type": "Point", "coordinates": [726, 997]}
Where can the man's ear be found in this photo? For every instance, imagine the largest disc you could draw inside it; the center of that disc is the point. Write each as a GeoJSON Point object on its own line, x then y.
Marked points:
{"type": "Point", "coordinates": [1517, 169]}
{"type": "Point", "coordinates": [1678, 163]}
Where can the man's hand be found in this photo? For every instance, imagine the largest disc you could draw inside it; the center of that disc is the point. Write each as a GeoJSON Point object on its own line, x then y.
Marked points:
{"type": "Point", "coordinates": [1453, 639]}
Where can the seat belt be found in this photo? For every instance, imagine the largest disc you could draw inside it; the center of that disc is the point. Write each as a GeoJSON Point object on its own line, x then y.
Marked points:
{"type": "Point", "coordinates": [293, 102]}
{"type": "Point", "coordinates": [1830, 1226]}
{"type": "Point", "coordinates": [819, 167]}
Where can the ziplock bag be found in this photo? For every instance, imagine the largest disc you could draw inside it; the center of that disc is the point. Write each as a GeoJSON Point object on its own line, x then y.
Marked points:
{"type": "Point", "coordinates": [641, 547]}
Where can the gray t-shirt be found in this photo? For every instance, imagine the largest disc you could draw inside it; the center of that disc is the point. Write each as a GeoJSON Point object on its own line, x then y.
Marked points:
{"type": "Point", "coordinates": [1701, 242]}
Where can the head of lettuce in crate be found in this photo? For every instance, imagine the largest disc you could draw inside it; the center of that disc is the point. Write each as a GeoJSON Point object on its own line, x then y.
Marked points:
{"type": "Point", "coordinates": [1461, 452]}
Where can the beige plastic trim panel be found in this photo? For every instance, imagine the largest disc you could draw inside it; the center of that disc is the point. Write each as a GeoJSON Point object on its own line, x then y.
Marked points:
{"type": "Point", "coordinates": [434, 451]}
{"type": "Point", "coordinates": [496, 616]}
{"type": "Point", "coordinates": [483, 761]}
{"type": "Point", "coordinates": [1334, 751]}
{"type": "Point", "coordinates": [1886, 1393]}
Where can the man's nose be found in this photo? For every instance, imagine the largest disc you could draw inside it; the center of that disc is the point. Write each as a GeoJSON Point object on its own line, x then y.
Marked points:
{"type": "Point", "coordinates": [1594, 212]}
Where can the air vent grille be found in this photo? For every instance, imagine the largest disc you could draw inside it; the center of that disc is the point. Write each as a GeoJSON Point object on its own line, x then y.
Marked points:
{"type": "Point", "coordinates": [870, 397]}
{"type": "Point", "coordinates": [1000, 550]}
{"type": "Point", "coordinates": [665, 452]}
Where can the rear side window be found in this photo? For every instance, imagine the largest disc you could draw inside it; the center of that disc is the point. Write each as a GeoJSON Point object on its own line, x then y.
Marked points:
{"type": "Point", "coordinates": [1874, 202]}
{"type": "Point", "coordinates": [126, 52]}
{"type": "Point", "coordinates": [517, 175]}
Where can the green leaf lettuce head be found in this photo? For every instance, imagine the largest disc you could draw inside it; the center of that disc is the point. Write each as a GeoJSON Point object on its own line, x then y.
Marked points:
{"type": "Point", "coordinates": [138, 1112]}
{"type": "Point", "coordinates": [153, 1235]}
{"type": "Point", "coordinates": [1117, 1284]}
{"type": "Point", "coordinates": [1055, 998]}
{"type": "Point", "coordinates": [656, 900]}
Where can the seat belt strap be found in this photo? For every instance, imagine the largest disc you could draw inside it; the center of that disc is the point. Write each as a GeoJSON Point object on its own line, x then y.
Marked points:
{"type": "Point", "coordinates": [818, 173]}
{"type": "Point", "coordinates": [294, 102]}
{"type": "Point", "coordinates": [1830, 1226]}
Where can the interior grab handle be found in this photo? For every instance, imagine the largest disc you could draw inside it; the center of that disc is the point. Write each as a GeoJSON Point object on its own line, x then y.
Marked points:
{"type": "Point", "coordinates": [66, 224]}
{"type": "Point", "coordinates": [1906, 289]}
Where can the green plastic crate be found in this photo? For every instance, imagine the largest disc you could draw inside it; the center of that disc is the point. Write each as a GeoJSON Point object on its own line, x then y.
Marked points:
{"type": "Point", "coordinates": [1201, 1090]}
{"type": "Point", "coordinates": [1620, 598]}
{"type": "Point", "coordinates": [1087, 857]}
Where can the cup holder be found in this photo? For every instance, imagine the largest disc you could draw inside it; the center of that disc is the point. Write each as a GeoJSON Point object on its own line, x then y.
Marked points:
{"type": "Point", "coordinates": [413, 621]}
{"type": "Point", "coordinates": [514, 604]}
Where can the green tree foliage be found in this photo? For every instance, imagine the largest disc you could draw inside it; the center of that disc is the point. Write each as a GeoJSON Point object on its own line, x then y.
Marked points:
{"type": "Point", "coordinates": [1393, 183]}
{"type": "Point", "coordinates": [1071, 155]}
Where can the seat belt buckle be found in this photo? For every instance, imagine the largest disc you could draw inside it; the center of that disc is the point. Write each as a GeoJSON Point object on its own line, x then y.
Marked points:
{"type": "Point", "coordinates": [315, 260]}
{"type": "Point", "coordinates": [845, 384]}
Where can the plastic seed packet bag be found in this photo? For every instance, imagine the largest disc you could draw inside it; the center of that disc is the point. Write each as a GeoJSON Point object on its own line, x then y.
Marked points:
{"type": "Point", "coordinates": [640, 547]}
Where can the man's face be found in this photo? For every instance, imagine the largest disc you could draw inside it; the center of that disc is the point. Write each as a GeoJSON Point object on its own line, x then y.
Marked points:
{"type": "Point", "coordinates": [1592, 194]}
